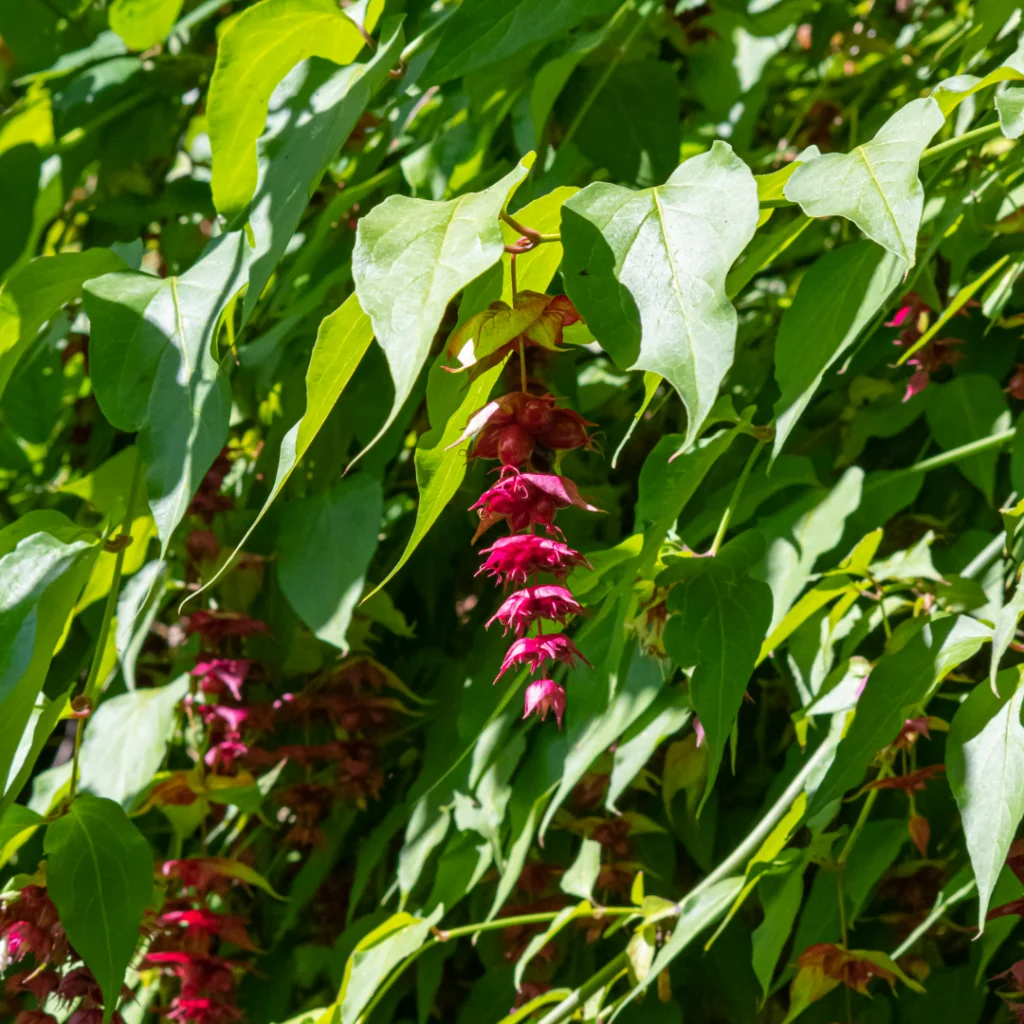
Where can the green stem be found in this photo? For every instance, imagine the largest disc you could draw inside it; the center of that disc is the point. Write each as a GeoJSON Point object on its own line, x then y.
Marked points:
{"type": "Point", "coordinates": [982, 134]}
{"type": "Point", "coordinates": [567, 1007]}
{"type": "Point", "coordinates": [534, 236]}
{"type": "Point", "coordinates": [444, 935]}
{"type": "Point", "coordinates": [92, 681]}
{"type": "Point", "coordinates": [730, 509]}
{"type": "Point", "coordinates": [963, 452]}
{"type": "Point", "coordinates": [732, 863]}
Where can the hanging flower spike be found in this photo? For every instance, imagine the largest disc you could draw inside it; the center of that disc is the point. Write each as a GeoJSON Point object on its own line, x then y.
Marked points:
{"type": "Point", "coordinates": [536, 650]}
{"type": "Point", "coordinates": [222, 674]}
{"type": "Point", "coordinates": [525, 607]}
{"type": "Point", "coordinates": [515, 559]}
{"type": "Point", "coordinates": [910, 311]}
{"type": "Point", "coordinates": [544, 695]}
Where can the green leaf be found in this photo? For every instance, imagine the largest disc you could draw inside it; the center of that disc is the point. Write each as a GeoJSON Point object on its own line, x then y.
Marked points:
{"type": "Point", "coordinates": [312, 112]}
{"type": "Point", "coordinates": [155, 369]}
{"type": "Point", "coordinates": [781, 898]}
{"type": "Point", "coordinates": [143, 23]}
{"type": "Point", "coordinates": [126, 740]}
{"type": "Point", "coordinates": [15, 822]}
{"type": "Point", "coordinates": [43, 720]}
{"type": "Point", "coordinates": [968, 408]}
{"type": "Point", "coordinates": [325, 546]}
{"type": "Point", "coordinates": [698, 911]}
{"type": "Point", "coordinates": [341, 343]}
{"type": "Point", "coordinates": [440, 468]}
{"type": "Point", "coordinates": [376, 955]}
{"type": "Point", "coordinates": [668, 480]}
{"type": "Point", "coordinates": [897, 684]}
{"type": "Point", "coordinates": [586, 740]}
{"type": "Point", "coordinates": [876, 186]}
{"type": "Point", "coordinates": [1005, 627]}
{"type": "Point", "coordinates": [480, 33]}
{"type": "Point", "coordinates": [580, 876]}
{"type": "Point", "coordinates": [985, 768]}
{"type": "Point", "coordinates": [632, 128]}
{"type": "Point", "coordinates": [666, 716]}
{"type": "Point", "coordinates": [256, 51]}
{"type": "Point", "coordinates": [800, 534]}
{"type": "Point", "coordinates": [719, 621]}
{"type": "Point", "coordinates": [37, 292]}
{"type": "Point", "coordinates": [951, 92]}
{"type": "Point", "coordinates": [137, 606]}
{"type": "Point", "coordinates": [1010, 105]}
{"type": "Point", "coordinates": [106, 487]}
{"type": "Point", "coordinates": [411, 257]}
{"type": "Point", "coordinates": [99, 873]}
{"type": "Point", "coordinates": [40, 580]}
{"type": "Point", "coordinates": [647, 271]}
{"type": "Point", "coordinates": [836, 300]}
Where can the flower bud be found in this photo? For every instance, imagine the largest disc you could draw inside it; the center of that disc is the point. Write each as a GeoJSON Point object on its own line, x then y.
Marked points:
{"type": "Point", "coordinates": [535, 415]}
{"type": "Point", "coordinates": [515, 445]}
{"type": "Point", "coordinates": [567, 431]}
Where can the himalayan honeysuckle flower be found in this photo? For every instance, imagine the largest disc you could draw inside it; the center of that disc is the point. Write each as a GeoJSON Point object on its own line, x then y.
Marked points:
{"type": "Point", "coordinates": [543, 695]}
{"type": "Point", "coordinates": [222, 674]}
{"type": "Point", "coordinates": [525, 607]}
{"type": "Point", "coordinates": [526, 432]}
{"type": "Point", "coordinates": [536, 650]}
{"type": "Point", "coordinates": [515, 559]}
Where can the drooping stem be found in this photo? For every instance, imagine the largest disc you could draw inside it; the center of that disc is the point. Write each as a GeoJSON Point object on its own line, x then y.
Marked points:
{"type": "Point", "coordinates": [982, 134]}
{"type": "Point", "coordinates": [734, 499]}
{"type": "Point", "coordinates": [534, 237]}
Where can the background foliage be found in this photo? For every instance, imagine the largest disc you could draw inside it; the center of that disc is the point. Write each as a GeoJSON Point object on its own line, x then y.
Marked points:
{"type": "Point", "coordinates": [254, 766]}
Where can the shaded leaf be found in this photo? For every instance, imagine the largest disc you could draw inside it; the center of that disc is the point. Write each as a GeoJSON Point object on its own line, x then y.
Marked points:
{"type": "Point", "coordinates": [985, 768]}
{"type": "Point", "coordinates": [580, 876]}
{"type": "Point", "coordinates": [899, 682]}
{"type": "Point", "coordinates": [126, 740]}
{"type": "Point", "coordinates": [326, 543]}
{"type": "Point", "coordinates": [719, 621]}
{"type": "Point", "coordinates": [37, 292]}
{"type": "Point", "coordinates": [100, 876]}
{"type": "Point", "coordinates": [836, 300]}
{"type": "Point", "coordinates": [480, 33]}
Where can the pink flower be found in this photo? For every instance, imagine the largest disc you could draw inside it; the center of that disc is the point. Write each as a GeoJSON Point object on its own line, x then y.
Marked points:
{"type": "Point", "coordinates": [542, 696]}
{"type": "Point", "coordinates": [222, 674]}
{"type": "Point", "coordinates": [514, 559]}
{"type": "Point", "coordinates": [908, 314]}
{"type": "Point", "coordinates": [232, 717]}
{"type": "Point", "coordinates": [525, 499]}
{"type": "Point", "coordinates": [228, 926]}
{"type": "Point", "coordinates": [699, 730]}
{"type": "Point", "coordinates": [223, 755]}
{"type": "Point", "coordinates": [527, 606]}
{"type": "Point", "coordinates": [535, 650]}
{"type": "Point", "coordinates": [202, 1011]}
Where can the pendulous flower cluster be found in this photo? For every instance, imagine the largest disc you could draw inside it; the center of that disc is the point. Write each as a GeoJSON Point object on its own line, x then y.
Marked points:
{"type": "Point", "coordinates": [522, 430]}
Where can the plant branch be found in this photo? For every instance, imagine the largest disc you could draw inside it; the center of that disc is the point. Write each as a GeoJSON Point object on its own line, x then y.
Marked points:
{"type": "Point", "coordinates": [92, 681]}
{"type": "Point", "coordinates": [730, 509]}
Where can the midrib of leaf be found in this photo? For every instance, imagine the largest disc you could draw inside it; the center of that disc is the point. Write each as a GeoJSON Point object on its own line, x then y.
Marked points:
{"type": "Point", "coordinates": [860, 151]}
{"type": "Point", "coordinates": [679, 293]}
{"type": "Point", "coordinates": [99, 884]}
{"type": "Point", "coordinates": [179, 328]}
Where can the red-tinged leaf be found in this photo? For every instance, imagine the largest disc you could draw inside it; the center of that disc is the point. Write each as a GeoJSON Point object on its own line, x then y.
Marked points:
{"type": "Point", "coordinates": [920, 832]}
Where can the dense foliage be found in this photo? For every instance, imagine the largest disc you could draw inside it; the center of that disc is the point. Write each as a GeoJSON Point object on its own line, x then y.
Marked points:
{"type": "Point", "coordinates": [511, 510]}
